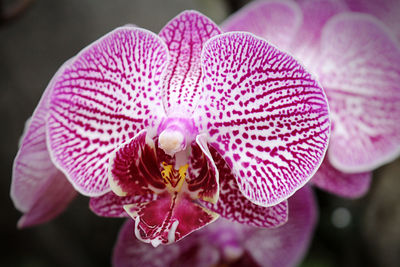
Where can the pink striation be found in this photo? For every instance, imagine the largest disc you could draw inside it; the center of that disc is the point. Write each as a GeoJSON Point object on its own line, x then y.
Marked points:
{"type": "Point", "coordinates": [356, 59]}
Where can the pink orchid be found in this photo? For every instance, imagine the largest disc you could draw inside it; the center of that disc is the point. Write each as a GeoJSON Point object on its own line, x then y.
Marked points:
{"type": "Point", "coordinates": [357, 62]}
{"type": "Point", "coordinates": [174, 130]}
{"type": "Point", "coordinates": [226, 243]}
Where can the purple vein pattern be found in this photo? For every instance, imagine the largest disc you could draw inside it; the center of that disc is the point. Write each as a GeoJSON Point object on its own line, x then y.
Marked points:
{"type": "Point", "coordinates": [267, 116]}
{"type": "Point", "coordinates": [102, 100]}
{"type": "Point", "coordinates": [185, 36]}
{"type": "Point", "coordinates": [233, 206]}
{"type": "Point", "coordinates": [356, 59]}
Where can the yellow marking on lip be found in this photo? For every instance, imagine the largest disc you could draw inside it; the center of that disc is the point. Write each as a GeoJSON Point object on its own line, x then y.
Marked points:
{"type": "Point", "coordinates": [174, 178]}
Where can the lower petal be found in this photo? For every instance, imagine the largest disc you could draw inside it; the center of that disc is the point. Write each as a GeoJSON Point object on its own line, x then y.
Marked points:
{"type": "Point", "coordinates": [168, 219]}
{"type": "Point", "coordinates": [38, 188]}
{"type": "Point", "coordinates": [129, 252]}
{"type": "Point", "coordinates": [233, 205]}
{"type": "Point", "coordinates": [111, 205]}
{"type": "Point", "coordinates": [351, 185]}
{"type": "Point", "coordinates": [52, 199]}
{"type": "Point", "coordinates": [286, 245]}
{"type": "Point", "coordinates": [193, 251]}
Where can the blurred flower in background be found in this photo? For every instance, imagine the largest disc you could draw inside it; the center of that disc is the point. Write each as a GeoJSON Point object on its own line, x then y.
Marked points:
{"type": "Point", "coordinates": [356, 58]}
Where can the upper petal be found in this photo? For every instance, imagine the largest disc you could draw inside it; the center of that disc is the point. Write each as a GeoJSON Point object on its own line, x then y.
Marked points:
{"type": "Point", "coordinates": [286, 245]}
{"type": "Point", "coordinates": [38, 188]}
{"type": "Point", "coordinates": [351, 185]}
{"type": "Point", "coordinates": [185, 36]}
{"type": "Point", "coordinates": [106, 95]}
{"type": "Point", "coordinates": [266, 116]}
{"type": "Point", "coordinates": [359, 67]}
{"type": "Point", "coordinates": [234, 206]}
{"type": "Point", "coordinates": [275, 21]}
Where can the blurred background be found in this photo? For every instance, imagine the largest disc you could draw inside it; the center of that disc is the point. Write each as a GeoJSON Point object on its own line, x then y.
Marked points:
{"type": "Point", "coordinates": [36, 37]}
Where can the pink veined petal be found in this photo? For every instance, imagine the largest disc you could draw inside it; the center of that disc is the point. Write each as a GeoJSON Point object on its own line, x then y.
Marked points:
{"type": "Point", "coordinates": [34, 174]}
{"type": "Point", "coordinates": [316, 13]}
{"type": "Point", "coordinates": [351, 185]}
{"type": "Point", "coordinates": [286, 245]}
{"type": "Point", "coordinates": [111, 205]}
{"type": "Point", "coordinates": [266, 116]}
{"type": "Point", "coordinates": [134, 168]}
{"type": "Point", "coordinates": [385, 10]}
{"type": "Point", "coordinates": [359, 67]}
{"type": "Point", "coordinates": [275, 21]}
{"type": "Point", "coordinates": [185, 36]}
{"type": "Point", "coordinates": [234, 206]}
{"type": "Point", "coordinates": [107, 94]}
{"type": "Point", "coordinates": [129, 252]}
{"type": "Point", "coordinates": [168, 219]}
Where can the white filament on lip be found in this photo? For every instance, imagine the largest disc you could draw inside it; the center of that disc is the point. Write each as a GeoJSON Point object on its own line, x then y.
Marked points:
{"type": "Point", "coordinates": [171, 233]}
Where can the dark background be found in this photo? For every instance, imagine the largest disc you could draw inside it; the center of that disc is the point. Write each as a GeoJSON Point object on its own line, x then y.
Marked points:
{"type": "Point", "coordinates": [35, 41]}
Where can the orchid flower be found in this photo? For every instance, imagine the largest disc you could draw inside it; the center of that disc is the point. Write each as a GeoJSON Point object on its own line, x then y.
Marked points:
{"type": "Point", "coordinates": [357, 62]}
{"type": "Point", "coordinates": [226, 243]}
{"type": "Point", "coordinates": [176, 129]}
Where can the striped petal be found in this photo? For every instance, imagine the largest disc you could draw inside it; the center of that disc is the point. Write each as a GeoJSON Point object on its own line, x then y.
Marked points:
{"type": "Point", "coordinates": [351, 185]}
{"type": "Point", "coordinates": [111, 205]}
{"type": "Point", "coordinates": [234, 206]}
{"type": "Point", "coordinates": [168, 219]}
{"type": "Point", "coordinates": [38, 188]}
{"type": "Point", "coordinates": [107, 94]}
{"type": "Point", "coordinates": [185, 36]}
{"type": "Point", "coordinates": [360, 69]}
{"type": "Point", "coordinates": [265, 115]}
{"type": "Point", "coordinates": [286, 245]}
{"type": "Point", "coordinates": [277, 22]}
